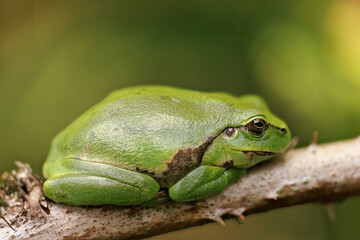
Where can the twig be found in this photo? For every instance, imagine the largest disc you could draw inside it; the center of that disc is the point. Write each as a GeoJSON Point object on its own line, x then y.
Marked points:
{"type": "Point", "coordinates": [322, 173]}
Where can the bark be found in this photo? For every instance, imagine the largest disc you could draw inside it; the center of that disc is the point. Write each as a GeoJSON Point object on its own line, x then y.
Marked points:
{"type": "Point", "coordinates": [318, 173]}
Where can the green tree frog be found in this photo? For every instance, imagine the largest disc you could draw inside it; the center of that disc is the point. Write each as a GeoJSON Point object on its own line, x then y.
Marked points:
{"type": "Point", "coordinates": [146, 144]}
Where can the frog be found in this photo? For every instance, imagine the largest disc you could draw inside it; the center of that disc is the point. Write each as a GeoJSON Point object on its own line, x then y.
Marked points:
{"type": "Point", "coordinates": [145, 145]}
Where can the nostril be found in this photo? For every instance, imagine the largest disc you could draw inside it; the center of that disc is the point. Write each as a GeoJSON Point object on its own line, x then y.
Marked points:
{"type": "Point", "coordinates": [283, 130]}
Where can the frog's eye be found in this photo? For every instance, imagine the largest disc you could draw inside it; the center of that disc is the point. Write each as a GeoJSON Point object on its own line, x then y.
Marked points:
{"type": "Point", "coordinates": [230, 132]}
{"type": "Point", "coordinates": [256, 127]}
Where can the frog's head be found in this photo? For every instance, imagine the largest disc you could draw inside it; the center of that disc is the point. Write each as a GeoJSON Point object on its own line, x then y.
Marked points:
{"type": "Point", "coordinates": [259, 137]}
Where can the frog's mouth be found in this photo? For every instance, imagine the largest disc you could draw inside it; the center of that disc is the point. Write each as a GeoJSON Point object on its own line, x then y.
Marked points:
{"type": "Point", "coordinates": [260, 153]}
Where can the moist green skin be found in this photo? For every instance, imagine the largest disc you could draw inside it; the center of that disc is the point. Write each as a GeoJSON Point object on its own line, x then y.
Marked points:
{"type": "Point", "coordinates": [159, 134]}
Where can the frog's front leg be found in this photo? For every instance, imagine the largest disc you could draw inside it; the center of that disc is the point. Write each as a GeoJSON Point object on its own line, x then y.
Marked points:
{"type": "Point", "coordinates": [91, 183]}
{"type": "Point", "coordinates": [204, 181]}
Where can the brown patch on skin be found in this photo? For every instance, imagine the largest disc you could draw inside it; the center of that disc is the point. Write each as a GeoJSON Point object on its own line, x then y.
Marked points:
{"type": "Point", "coordinates": [181, 163]}
{"type": "Point", "coordinates": [228, 164]}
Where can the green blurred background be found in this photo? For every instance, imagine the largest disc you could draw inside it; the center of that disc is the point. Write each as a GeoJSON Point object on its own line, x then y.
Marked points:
{"type": "Point", "coordinates": [58, 58]}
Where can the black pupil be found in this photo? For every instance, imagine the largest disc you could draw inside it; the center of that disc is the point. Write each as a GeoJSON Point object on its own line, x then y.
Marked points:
{"type": "Point", "coordinates": [259, 123]}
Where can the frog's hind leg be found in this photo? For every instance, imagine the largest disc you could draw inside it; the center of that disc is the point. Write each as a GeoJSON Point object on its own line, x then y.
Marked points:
{"type": "Point", "coordinates": [91, 183]}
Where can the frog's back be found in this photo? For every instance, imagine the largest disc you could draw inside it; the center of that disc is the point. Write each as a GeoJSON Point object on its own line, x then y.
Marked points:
{"type": "Point", "coordinates": [150, 129]}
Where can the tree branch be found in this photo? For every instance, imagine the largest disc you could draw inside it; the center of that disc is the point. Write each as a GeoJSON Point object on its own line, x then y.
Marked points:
{"type": "Point", "coordinates": [321, 173]}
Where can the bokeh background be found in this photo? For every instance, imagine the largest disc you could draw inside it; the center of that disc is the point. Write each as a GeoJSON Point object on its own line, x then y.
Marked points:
{"type": "Point", "coordinates": [58, 58]}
